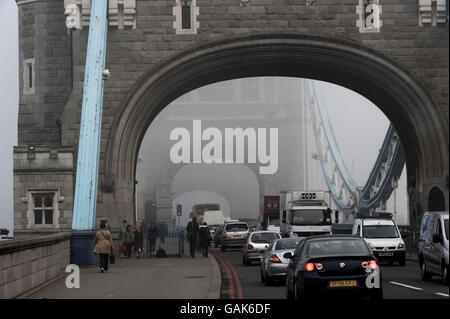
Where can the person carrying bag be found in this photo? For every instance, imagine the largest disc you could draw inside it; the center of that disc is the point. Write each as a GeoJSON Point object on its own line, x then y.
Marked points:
{"type": "Point", "coordinates": [103, 247]}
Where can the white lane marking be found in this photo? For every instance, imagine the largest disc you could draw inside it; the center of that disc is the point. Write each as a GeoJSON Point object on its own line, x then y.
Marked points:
{"type": "Point", "coordinates": [441, 294]}
{"type": "Point", "coordinates": [403, 285]}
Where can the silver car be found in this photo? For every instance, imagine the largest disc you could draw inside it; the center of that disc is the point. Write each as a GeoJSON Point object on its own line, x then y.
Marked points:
{"type": "Point", "coordinates": [233, 234]}
{"type": "Point", "coordinates": [273, 263]}
{"type": "Point", "coordinates": [257, 242]}
{"type": "Point", "coordinates": [433, 246]}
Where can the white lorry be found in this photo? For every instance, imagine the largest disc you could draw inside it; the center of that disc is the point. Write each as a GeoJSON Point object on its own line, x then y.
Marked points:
{"type": "Point", "coordinates": [305, 213]}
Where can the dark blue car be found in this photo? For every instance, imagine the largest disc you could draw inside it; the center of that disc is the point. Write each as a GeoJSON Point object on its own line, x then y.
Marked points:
{"type": "Point", "coordinates": [339, 265]}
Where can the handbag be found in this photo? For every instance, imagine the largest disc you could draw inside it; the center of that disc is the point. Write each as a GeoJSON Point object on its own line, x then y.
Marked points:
{"type": "Point", "coordinates": [123, 249]}
{"type": "Point", "coordinates": [112, 258]}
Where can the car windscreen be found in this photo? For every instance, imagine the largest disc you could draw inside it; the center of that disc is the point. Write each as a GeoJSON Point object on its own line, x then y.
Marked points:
{"type": "Point", "coordinates": [288, 243]}
{"type": "Point", "coordinates": [336, 247]}
{"type": "Point", "coordinates": [310, 217]}
{"type": "Point", "coordinates": [264, 237]}
{"type": "Point", "coordinates": [236, 227]}
{"type": "Point", "coordinates": [380, 231]}
{"type": "Point", "coordinates": [446, 227]}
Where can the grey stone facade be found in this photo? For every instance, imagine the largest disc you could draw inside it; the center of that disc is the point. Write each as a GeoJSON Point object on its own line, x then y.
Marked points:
{"type": "Point", "coordinates": [404, 63]}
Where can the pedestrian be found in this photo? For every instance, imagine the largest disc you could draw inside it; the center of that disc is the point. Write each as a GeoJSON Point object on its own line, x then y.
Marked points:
{"type": "Point", "coordinates": [205, 239]}
{"type": "Point", "coordinates": [192, 232]}
{"type": "Point", "coordinates": [151, 239]}
{"type": "Point", "coordinates": [103, 246]}
{"type": "Point", "coordinates": [138, 240]}
{"type": "Point", "coordinates": [128, 240]}
{"type": "Point", "coordinates": [123, 248]}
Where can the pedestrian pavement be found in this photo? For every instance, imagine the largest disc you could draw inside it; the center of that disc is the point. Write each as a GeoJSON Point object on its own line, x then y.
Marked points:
{"type": "Point", "coordinates": [144, 278]}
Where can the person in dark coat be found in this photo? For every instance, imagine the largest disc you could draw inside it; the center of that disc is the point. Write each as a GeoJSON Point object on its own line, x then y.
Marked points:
{"type": "Point", "coordinates": [128, 240]}
{"type": "Point", "coordinates": [192, 231]}
{"type": "Point", "coordinates": [138, 240]}
{"type": "Point", "coordinates": [152, 234]}
{"type": "Point", "coordinates": [205, 239]}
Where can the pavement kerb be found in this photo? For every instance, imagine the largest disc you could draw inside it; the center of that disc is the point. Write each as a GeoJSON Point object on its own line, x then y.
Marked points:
{"type": "Point", "coordinates": [214, 287]}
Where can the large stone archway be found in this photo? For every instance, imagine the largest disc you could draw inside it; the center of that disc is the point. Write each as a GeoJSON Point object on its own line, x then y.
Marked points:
{"type": "Point", "coordinates": [399, 95]}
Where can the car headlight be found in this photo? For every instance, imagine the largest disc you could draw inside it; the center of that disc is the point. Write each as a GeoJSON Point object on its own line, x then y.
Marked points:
{"type": "Point", "coordinates": [372, 247]}
{"type": "Point", "coordinates": [401, 246]}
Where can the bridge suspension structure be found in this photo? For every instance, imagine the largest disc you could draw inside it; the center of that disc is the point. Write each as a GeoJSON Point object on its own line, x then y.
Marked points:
{"type": "Point", "coordinates": [348, 197]}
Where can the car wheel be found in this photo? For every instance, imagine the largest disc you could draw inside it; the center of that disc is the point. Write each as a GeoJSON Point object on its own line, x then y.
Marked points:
{"type": "Point", "coordinates": [222, 248]}
{"type": "Point", "coordinates": [444, 274]}
{"type": "Point", "coordinates": [424, 274]}
{"type": "Point", "coordinates": [289, 294]}
{"type": "Point", "coordinates": [263, 279]}
{"type": "Point", "coordinates": [299, 292]}
{"type": "Point", "coordinates": [269, 280]}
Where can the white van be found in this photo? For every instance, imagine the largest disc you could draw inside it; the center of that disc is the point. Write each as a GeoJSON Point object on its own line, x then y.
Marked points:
{"type": "Point", "coordinates": [382, 236]}
{"type": "Point", "coordinates": [213, 218]}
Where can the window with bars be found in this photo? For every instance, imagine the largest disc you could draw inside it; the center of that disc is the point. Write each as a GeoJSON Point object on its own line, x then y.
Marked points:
{"type": "Point", "coordinates": [43, 208]}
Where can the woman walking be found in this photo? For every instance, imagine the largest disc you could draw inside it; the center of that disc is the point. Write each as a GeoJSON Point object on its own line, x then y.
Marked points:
{"type": "Point", "coordinates": [128, 240]}
{"type": "Point", "coordinates": [103, 246]}
{"type": "Point", "coordinates": [138, 240]}
{"type": "Point", "coordinates": [205, 239]}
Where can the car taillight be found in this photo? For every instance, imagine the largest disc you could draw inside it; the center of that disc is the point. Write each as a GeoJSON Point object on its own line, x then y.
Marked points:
{"type": "Point", "coordinates": [369, 263]}
{"type": "Point", "coordinates": [224, 234]}
{"type": "Point", "coordinates": [312, 266]}
{"type": "Point", "coordinates": [274, 259]}
{"type": "Point", "coordinates": [250, 247]}
{"type": "Point", "coordinates": [400, 246]}
{"type": "Point", "coordinates": [309, 266]}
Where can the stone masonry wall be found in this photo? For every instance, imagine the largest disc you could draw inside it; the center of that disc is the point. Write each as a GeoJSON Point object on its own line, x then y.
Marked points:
{"type": "Point", "coordinates": [28, 263]}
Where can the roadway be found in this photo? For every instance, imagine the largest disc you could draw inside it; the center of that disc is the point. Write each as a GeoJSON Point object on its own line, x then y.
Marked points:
{"type": "Point", "coordinates": [240, 281]}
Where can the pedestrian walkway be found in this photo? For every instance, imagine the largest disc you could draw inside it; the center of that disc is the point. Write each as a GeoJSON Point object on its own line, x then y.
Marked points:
{"type": "Point", "coordinates": [145, 278]}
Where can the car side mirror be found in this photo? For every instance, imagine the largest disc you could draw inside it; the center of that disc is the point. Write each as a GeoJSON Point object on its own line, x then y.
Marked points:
{"type": "Point", "coordinates": [288, 255]}
{"type": "Point", "coordinates": [436, 238]}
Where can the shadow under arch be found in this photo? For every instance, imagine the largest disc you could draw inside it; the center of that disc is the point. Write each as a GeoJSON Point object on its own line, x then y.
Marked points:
{"type": "Point", "coordinates": [394, 90]}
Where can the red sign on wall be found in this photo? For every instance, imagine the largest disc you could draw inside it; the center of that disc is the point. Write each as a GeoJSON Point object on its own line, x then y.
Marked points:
{"type": "Point", "coordinates": [271, 204]}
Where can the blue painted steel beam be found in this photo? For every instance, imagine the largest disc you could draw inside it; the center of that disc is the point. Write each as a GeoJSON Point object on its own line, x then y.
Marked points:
{"type": "Point", "coordinates": [91, 119]}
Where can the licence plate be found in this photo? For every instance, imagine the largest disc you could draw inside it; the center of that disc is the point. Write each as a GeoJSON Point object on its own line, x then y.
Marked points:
{"type": "Point", "coordinates": [343, 283]}
{"type": "Point", "coordinates": [386, 254]}
{"type": "Point", "coordinates": [236, 236]}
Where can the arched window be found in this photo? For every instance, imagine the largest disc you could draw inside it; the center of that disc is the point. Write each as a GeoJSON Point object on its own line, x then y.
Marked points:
{"type": "Point", "coordinates": [436, 201]}
{"type": "Point", "coordinates": [186, 14]}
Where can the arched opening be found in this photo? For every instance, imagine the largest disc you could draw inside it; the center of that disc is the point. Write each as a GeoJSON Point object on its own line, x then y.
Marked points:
{"type": "Point", "coordinates": [405, 102]}
{"type": "Point", "coordinates": [436, 200]}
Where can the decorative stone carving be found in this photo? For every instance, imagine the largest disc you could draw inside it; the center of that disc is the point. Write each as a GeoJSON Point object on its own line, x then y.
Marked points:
{"type": "Point", "coordinates": [121, 13]}
{"type": "Point", "coordinates": [432, 12]}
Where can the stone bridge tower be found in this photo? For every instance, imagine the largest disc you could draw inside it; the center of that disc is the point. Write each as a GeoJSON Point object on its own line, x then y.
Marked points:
{"type": "Point", "coordinates": [395, 53]}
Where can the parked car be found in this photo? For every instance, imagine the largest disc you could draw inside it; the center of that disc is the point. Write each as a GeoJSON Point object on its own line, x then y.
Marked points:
{"type": "Point", "coordinates": [433, 246]}
{"type": "Point", "coordinates": [382, 236]}
{"type": "Point", "coordinates": [339, 265]}
{"type": "Point", "coordinates": [257, 242]}
{"type": "Point", "coordinates": [234, 234]}
{"type": "Point", "coordinates": [273, 263]}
